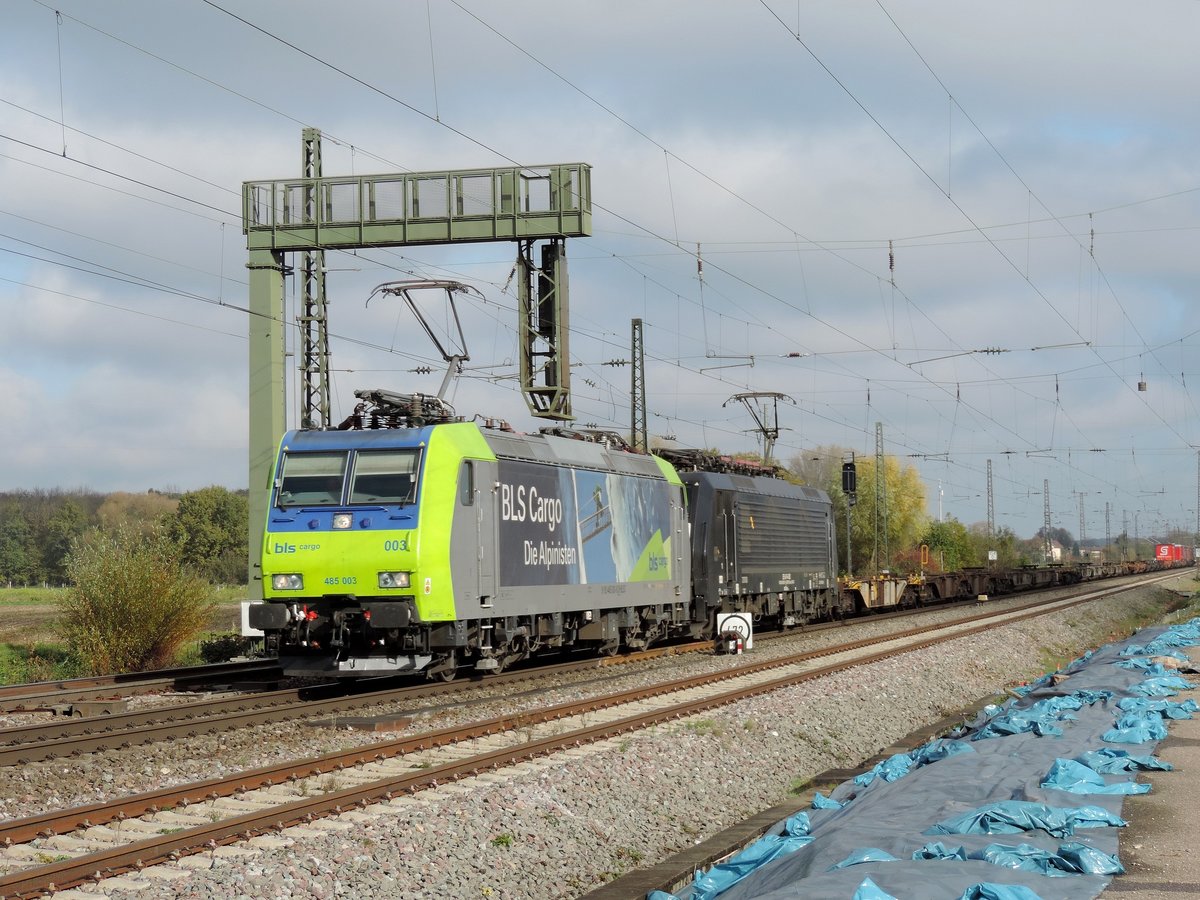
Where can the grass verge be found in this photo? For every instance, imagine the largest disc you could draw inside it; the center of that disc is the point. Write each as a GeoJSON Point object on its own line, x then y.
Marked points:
{"type": "Point", "coordinates": [31, 649]}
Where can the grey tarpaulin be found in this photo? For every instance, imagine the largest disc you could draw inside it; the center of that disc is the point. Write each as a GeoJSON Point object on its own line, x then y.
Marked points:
{"type": "Point", "coordinates": [1023, 767]}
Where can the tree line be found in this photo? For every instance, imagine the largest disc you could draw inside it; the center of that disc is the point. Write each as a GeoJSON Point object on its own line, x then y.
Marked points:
{"type": "Point", "coordinates": [889, 522]}
{"type": "Point", "coordinates": [39, 528]}
{"type": "Point", "coordinates": [889, 525]}
{"type": "Point", "coordinates": [891, 534]}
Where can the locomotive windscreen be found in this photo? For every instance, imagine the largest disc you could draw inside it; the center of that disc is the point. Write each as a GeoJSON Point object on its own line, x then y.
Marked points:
{"type": "Point", "coordinates": [312, 479]}
{"type": "Point", "coordinates": [384, 476]}
{"type": "Point", "coordinates": [376, 477]}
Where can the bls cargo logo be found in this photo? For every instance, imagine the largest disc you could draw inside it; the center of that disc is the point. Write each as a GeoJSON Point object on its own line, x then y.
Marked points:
{"type": "Point", "coordinates": [519, 503]}
{"type": "Point", "coordinates": [536, 544]}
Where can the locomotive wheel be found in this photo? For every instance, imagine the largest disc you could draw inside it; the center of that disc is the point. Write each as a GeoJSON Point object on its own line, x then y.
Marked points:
{"type": "Point", "coordinates": [447, 674]}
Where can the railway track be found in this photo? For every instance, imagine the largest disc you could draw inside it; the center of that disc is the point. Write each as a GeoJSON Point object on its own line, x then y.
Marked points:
{"type": "Point", "coordinates": [71, 737]}
{"type": "Point", "coordinates": [206, 815]}
{"type": "Point", "coordinates": [52, 695]}
{"type": "Point", "coordinates": [122, 729]}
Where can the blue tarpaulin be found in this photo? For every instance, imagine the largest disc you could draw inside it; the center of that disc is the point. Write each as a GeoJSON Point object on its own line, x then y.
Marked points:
{"type": "Point", "coordinates": [1012, 816]}
{"type": "Point", "coordinates": [1044, 752]}
{"type": "Point", "coordinates": [899, 765]}
{"type": "Point", "coordinates": [1042, 717]}
{"type": "Point", "coordinates": [1169, 708]}
{"type": "Point", "coordinates": [1109, 760]}
{"type": "Point", "coordinates": [1077, 778]}
{"type": "Point", "coordinates": [998, 892]}
{"type": "Point", "coordinates": [1161, 686]}
{"type": "Point", "coordinates": [869, 890]}
{"type": "Point", "coordinates": [710, 884]}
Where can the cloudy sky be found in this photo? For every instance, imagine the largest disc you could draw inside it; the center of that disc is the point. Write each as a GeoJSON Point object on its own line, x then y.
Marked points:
{"type": "Point", "coordinates": [973, 223]}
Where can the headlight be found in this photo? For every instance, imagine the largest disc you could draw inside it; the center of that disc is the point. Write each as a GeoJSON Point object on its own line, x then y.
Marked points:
{"type": "Point", "coordinates": [393, 579]}
{"type": "Point", "coordinates": [342, 521]}
{"type": "Point", "coordinates": [287, 582]}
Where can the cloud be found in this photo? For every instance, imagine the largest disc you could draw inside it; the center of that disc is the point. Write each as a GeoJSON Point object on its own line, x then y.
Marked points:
{"type": "Point", "coordinates": [705, 123]}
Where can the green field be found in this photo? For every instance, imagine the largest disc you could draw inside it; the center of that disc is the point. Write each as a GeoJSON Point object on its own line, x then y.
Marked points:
{"type": "Point", "coordinates": [30, 649]}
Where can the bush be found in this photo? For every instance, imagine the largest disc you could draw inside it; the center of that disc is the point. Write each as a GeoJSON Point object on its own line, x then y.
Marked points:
{"type": "Point", "coordinates": [21, 665]}
{"type": "Point", "coordinates": [219, 648]}
{"type": "Point", "coordinates": [132, 605]}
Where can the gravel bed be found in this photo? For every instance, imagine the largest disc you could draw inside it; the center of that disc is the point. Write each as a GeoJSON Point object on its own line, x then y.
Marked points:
{"type": "Point", "coordinates": [40, 786]}
{"type": "Point", "coordinates": [557, 831]}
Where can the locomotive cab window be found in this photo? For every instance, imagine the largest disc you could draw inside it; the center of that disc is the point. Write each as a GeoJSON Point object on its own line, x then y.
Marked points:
{"type": "Point", "coordinates": [385, 476]}
{"type": "Point", "coordinates": [312, 479]}
{"type": "Point", "coordinates": [689, 494]}
{"type": "Point", "coordinates": [466, 484]}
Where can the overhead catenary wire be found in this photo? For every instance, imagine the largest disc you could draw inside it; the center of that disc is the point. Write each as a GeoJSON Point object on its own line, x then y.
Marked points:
{"type": "Point", "coordinates": [337, 68]}
{"type": "Point", "coordinates": [930, 381]}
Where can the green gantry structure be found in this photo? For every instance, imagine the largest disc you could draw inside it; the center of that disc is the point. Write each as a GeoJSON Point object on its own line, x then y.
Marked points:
{"type": "Point", "coordinates": [309, 215]}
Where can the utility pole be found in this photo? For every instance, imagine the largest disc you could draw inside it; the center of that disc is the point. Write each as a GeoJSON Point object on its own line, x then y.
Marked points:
{"type": "Point", "coordinates": [1107, 528]}
{"type": "Point", "coordinates": [880, 501]}
{"type": "Point", "coordinates": [313, 320]}
{"type": "Point", "coordinates": [850, 489]}
{"type": "Point", "coordinates": [638, 436]}
{"type": "Point", "coordinates": [991, 509]}
{"type": "Point", "coordinates": [1048, 547]}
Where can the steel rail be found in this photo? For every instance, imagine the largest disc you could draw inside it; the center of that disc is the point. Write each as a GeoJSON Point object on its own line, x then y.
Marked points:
{"type": "Point", "coordinates": [41, 694]}
{"type": "Point", "coordinates": [41, 741]}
